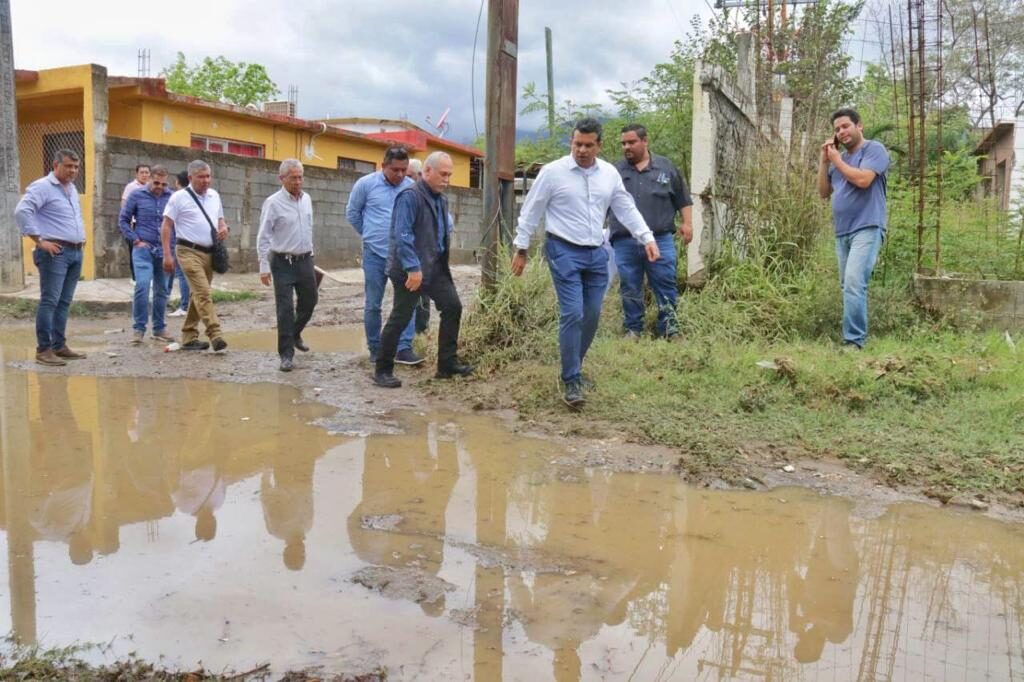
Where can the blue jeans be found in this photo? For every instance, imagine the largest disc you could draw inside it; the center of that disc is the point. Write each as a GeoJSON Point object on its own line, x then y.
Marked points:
{"type": "Point", "coordinates": [857, 253]}
{"type": "Point", "coordinates": [58, 277]}
{"type": "Point", "coordinates": [580, 276]}
{"type": "Point", "coordinates": [375, 279]}
{"type": "Point", "coordinates": [182, 284]}
{"type": "Point", "coordinates": [661, 277]}
{"type": "Point", "coordinates": [148, 262]}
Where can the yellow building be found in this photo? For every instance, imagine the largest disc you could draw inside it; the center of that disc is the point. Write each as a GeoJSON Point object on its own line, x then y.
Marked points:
{"type": "Point", "coordinates": [79, 107]}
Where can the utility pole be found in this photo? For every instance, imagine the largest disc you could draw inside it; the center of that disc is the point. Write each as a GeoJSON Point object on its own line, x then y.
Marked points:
{"type": "Point", "coordinates": [12, 276]}
{"type": "Point", "coordinates": [500, 129]}
{"type": "Point", "coordinates": [551, 82]}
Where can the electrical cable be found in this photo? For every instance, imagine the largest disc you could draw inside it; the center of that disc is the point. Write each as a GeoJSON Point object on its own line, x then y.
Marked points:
{"type": "Point", "coordinates": [472, 70]}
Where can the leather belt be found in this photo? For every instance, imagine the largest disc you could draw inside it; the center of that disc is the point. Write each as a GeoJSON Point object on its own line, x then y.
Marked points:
{"type": "Point", "coordinates": [293, 257]}
{"type": "Point", "coordinates": [192, 245]}
{"type": "Point", "coordinates": [64, 244]}
{"type": "Point", "coordinates": [552, 235]}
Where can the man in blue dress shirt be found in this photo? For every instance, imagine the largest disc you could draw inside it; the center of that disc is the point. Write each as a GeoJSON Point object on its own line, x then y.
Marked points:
{"type": "Point", "coordinates": [140, 222]}
{"type": "Point", "coordinates": [51, 216]}
{"type": "Point", "coordinates": [369, 210]}
{"type": "Point", "coordinates": [573, 195]}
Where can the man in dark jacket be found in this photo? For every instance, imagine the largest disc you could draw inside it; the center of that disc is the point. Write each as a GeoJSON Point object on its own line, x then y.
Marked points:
{"type": "Point", "coordinates": [418, 264]}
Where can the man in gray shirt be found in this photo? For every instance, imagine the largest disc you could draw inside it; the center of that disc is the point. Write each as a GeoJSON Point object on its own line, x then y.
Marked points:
{"type": "Point", "coordinates": [284, 246]}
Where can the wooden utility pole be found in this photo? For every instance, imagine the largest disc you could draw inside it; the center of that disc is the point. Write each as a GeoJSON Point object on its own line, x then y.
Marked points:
{"type": "Point", "coordinates": [551, 82]}
{"type": "Point", "coordinates": [12, 276]}
{"type": "Point", "coordinates": [500, 130]}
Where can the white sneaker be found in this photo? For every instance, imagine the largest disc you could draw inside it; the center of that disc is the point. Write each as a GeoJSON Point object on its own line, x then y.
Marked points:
{"type": "Point", "coordinates": [177, 313]}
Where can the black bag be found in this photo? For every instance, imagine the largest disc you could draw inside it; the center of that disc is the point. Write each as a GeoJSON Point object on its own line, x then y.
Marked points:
{"type": "Point", "coordinates": [221, 262]}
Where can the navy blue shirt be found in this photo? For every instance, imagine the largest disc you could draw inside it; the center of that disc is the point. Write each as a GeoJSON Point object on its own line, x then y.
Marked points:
{"type": "Point", "coordinates": [659, 192]}
{"type": "Point", "coordinates": [148, 211]}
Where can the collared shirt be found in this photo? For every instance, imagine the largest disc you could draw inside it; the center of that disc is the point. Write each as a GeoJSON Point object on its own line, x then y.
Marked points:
{"type": "Point", "coordinates": [369, 209]}
{"type": "Point", "coordinates": [406, 208]}
{"type": "Point", "coordinates": [128, 189]}
{"type": "Point", "coordinates": [286, 226]}
{"type": "Point", "coordinates": [142, 214]}
{"type": "Point", "coordinates": [574, 202]}
{"type": "Point", "coordinates": [51, 210]}
{"type": "Point", "coordinates": [189, 223]}
{"type": "Point", "coordinates": [659, 192]}
{"type": "Point", "coordinates": [854, 208]}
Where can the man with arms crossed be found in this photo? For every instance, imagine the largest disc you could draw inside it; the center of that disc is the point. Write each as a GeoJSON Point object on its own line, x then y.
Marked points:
{"type": "Point", "coordinates": [573, 195]}
{"type": "Point", "coordinates": [284, 246]}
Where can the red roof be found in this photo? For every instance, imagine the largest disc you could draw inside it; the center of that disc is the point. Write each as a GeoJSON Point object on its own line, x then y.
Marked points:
{"type": "Point", "coordinates": [419, 139]}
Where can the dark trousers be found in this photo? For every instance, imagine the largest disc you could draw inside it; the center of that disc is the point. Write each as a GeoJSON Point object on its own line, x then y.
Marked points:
{"type": "Point", "coordinates": [442, 291]}
{"type": "Point", "coordinates": [293, 279]}
{"type": "Point", "coordinates": [131, 260]}
{"type": "Point", "coordinates": [423, 314]}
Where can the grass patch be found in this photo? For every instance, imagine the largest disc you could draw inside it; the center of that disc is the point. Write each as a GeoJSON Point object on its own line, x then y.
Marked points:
{"type": "Point", "coordinates": [931, 404]}
{"type": "Point", "coordinates": [23, 309]}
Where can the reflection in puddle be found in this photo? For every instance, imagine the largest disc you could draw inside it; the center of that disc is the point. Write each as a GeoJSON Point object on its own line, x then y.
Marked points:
{"type": "Point", "coordinates": [212, 522]}
{"type": "Point", "coordinates": [347, 339]}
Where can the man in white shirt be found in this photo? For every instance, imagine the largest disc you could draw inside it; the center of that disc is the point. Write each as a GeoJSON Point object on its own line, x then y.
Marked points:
{"type": "Point", "coordinates": [573, 195]}
{"type": "Point", "coordinates": [284, 246]}
{"type": "Point", "coordinates": [197, 217]}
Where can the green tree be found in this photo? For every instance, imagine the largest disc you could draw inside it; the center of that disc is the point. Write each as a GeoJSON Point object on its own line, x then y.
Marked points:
{"type": "Point", "coordinates": [220, 80]}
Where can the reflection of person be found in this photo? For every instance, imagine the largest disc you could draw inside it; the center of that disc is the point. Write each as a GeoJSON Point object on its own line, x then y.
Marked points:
{"type": "Point", "coordinates": [418, 264]}
{"type": "Point", "coordinates": [856, 181]}
{"type": "Point", "coordinates": [62, 474]}
{"type": "Point", "coordinates": [406, 477]}
{"type": "Point", "coordinates": [369, 211]}
{"type": "Point", "coordinates": [195, 213]}
{"type": "Point", "coordinates": [661, 195]}
{"type": "Point", "coordinates": [821, 603]}
{"type": "Point", "coordinates": [200, 493]}
{"type": "Point", "coordinates": [140, 221]}
{"type": "Point", "coordinates": [287, 499]}
{"type": "Point", "coordinates": [51, 216]}
{"type": "Point", "coordinates": [284, 246]}
{"type": "Point", "coordinates": [180, 182]}
{"type": "Point", "coordinates": [573, 195]}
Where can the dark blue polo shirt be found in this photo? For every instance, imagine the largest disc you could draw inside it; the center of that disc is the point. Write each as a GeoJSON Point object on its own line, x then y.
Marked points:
{"type": "Point", "coordinates": [659, 192]}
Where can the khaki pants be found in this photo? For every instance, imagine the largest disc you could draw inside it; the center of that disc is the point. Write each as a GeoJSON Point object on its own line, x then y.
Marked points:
{"type": "Point", "coordinates": [198, 270]}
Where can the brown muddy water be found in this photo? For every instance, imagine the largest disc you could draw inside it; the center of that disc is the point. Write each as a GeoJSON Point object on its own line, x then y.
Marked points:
{"type": "Point", "coordinates": [214, 522]}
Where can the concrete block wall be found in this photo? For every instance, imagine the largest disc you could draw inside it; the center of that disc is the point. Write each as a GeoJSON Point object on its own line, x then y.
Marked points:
{"type": "Point", "coordinates": [243, 184]}
{"type": "Point", "coordinates": [996, 304]}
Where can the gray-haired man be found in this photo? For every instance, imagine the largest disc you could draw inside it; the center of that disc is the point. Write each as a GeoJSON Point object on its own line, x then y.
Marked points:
{"type": "Point", "coordinates": [186, 213]}
{"type": "Point", "coordinates": [284, 246]}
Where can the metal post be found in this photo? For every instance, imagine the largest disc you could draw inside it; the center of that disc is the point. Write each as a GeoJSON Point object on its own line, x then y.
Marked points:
{"type": "Point", "coordinates": [551, 82]}
{"type": "Point", "coordinates": [500, 128]}
{"type": "Point", "coordinates": [12, 274]}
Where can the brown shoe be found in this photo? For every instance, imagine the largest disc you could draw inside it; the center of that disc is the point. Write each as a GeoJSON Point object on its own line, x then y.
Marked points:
{"type": "Point", "coordinates": [69, 354]}
{"type": "Point", "coordinates": [49, 358]}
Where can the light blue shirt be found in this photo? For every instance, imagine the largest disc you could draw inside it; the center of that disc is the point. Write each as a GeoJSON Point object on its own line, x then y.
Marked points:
{"type": "Point", "coordinates": [574, 201]}
{"type": "Point", "coordinates": [50, 210]}
{"type": "Point", "coordinates": [854, 208]}
{"type": "Point", "coordinates": [369, 209]}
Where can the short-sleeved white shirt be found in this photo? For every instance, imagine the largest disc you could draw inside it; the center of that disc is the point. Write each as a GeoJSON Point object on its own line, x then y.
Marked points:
{"type": "Point", "coordinates": [189, 223]}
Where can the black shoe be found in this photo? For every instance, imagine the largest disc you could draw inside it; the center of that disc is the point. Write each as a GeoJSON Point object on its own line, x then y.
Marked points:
{"type": "Point", "coordinates": [287, 365]}
{"type": "Point", "coordinates": [456, 370]}
{"type": "Point", "coordinates": [195, 344]}
{"type": "Point", "coordinates": [386, 380]}
{"type": "Point", "coordinates": [301, 345]}
{"type": "Point", "coordinates": [219, 344]}
{"type": "Point", "coordinates": [408, 357]}
{"type": "Point", "coordinates": [574, 395]}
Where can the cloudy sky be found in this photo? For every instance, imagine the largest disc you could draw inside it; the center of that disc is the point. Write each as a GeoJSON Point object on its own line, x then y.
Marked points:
{"type": "Point", "coordinates": [403, 58]}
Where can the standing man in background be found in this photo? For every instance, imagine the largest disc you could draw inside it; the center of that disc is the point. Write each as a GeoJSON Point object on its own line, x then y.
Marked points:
{"type": "Point", "coordinates": [661, 195]}
{"type": "Point", "coordinates": [50, 214]}
{"type": "Point", "coordinates": [140, 222]}
{"type": "Point", "coordinates": [856, 181]}
{"type": "Point", "coordinates": [369, 211]}
{"type": "Point", "coordinates": [180, 182]}
{"type": "Point", "coordinates": [284, 246]}
{"type": "Point", "coordinates": [142, 172]}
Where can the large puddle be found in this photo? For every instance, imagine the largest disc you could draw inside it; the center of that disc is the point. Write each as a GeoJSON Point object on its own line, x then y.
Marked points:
{"type": "Point", "coordinates": [211, 522]}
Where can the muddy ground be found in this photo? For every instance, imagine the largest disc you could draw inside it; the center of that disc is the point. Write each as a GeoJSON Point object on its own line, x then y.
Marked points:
{"type": "Point", "coordinates": [342, 380]}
